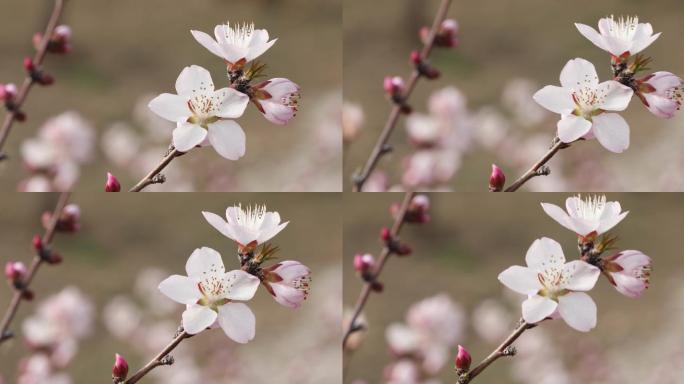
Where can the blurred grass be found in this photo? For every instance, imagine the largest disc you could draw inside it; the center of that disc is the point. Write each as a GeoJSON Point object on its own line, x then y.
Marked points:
{"type": "Point", "coordinates": [128, 48]}
{"type": "Point", "coordinates": [473, 237]}
{"type": "Point", "coordinates": [500, 40]}
{"type": "Point", "coordinates": [127, 234]}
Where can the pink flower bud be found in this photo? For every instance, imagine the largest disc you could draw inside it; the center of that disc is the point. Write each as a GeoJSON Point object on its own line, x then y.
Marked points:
{"type": "Point", "coordinates": [394, 86]}
{"type": "Point", "coordinates": [385, 234]}
{"type": "Point", "coordinates": [62, 32]}
{"type": "Point", "coordinates": [120, 368]}
{"type": "Point", "coordinates": [37, 243]}
{"type": "Point", "coordinates": [15, 271]}
{"type": "Point", "coordinates": [463, 359]}
{"type": "Point", "coordinates": [364, 263]}
{"type": "Point", "coordinates": [29, 66]}
{"type": "Point", "coordinates": [497, 179]}
{"type": "Point", "coordinates": [417, 211]}
{"type": "Point", "coordinates": [8, 91]}
{"type": "Point", "coordinates": [446, 36]}
{"type": "Point", "coordinates": [112, 184]}
{"type": "Point", "coordinates": [416, 57]}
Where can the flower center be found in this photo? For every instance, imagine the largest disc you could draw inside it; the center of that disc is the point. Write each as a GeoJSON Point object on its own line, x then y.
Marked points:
{"type": "Point", "coordinates": [591, 208]}
{"type": "Point", "coordinates": [203, 108]}
{"type": "Point", "coordinates": [302, 284]}
{"type": "Point", "coordinates": [587, 98]}
{"type": "Point", "coordinates": [553, 281]}
{"type": "Point", "coordinates": [252, 217]}
{"type": "Point", "coordinates": [239, 36]}
{"type": "Point", "coordinates": [675, 94]}
{"type": "Point", "coordinates": [623, 28]}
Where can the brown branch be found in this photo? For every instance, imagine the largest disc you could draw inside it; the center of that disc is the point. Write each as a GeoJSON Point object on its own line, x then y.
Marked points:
{"type": "Point", "coordinates": [539, 168]}
{"type": "Point", "coordinates": [500, 351]}
{"type": "Point", "coordinates": [384, 255]}
{"type": "Point", "coordinates": [380, 148]}
{"type": "Point", "coordinates": [28, 81]}
{"type": "Point", "coordinates": [35, 264]}
{"type": "Point", "coordinates": [159, 359]}
{"type": "Point", "coordinates": [155, 176]}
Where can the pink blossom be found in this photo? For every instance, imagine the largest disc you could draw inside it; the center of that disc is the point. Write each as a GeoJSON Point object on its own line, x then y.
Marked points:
{"type": "Point", "coordinates": [661, 92]}
{"type": "Point", "coordinates": [629, 271]}
{"type": "Point", "coordinates": [277, 99]}
{"type": "Point", "coordinates": [288, 282]}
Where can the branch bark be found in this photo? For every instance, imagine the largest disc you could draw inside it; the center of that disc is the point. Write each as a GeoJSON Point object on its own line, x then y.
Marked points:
{"type": "Point", "coordinates": [157, 360]}
{"type": "Point", "coordinates": [153, 177]}
{"type": "Point", "coordinates": [538, 169]}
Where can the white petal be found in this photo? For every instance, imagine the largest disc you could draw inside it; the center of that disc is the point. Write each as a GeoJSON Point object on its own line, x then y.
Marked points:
{"type": "Point", "coordinates": [584, 227]}
{"type": "Point", "coordinates": [641, 44]}
{"type": "Point", "coordinates": [180, 289]}
{"type": "Point", "coordinates": [187, 136]}
{"type": "Point", "coordinates": [233, 54]}
{"type": "Point", "coordinates": [555, 99]}
{"type": "Point", "coordinates": [258, 50]}
{"type": "Point", "coordinates": [591, 34]}
{"type": "Point", "coordinates": [228, 139]}
{"type": "Point", "coordinates": [581, 276]}
{"type": "Point", "coordinates": [571, 128]}
{"type": "Point", "coordinates": [616, 96]}
{"type": "Point", "coordinates": [217, 222]}
{"type": "Point", "coordinates": [558, 214]}
{"type": "Point", "coordinates": [537, 308]}
{"type": "Point", "coordinates": [237, 321]}
{"type": "Point", "coordinates": [288, 296]}
{"type": "Point", "coordinates": [544, 253]}
{"type": "Point", "coordinates": [521, 279]}
{"type": "Point", "coordinates": [260, 36]}
{"type": "Point", "coordinates": [203, 261]}
{"type": "Point", "coordinates": [170, 107]}
{"type": "Point", "coordinates": [578, 310]}
{"type": "Point", "coordinates": [194, 78]}
{"type": "Point", "coordinates": [197, 318]}
{"type": "Point", "coordinates": [612, 131]}
{"type": "Point", "coordinates": [616, 46]}
{"type": "Point", "coordinates": [233, 103]}
{"type": "Point", "coordinates": [578, 73]}
{"type": "Point", "coordinates": [241, 285]}
{"type": "Point", "coordinates": [643, 31]}
{"type": "Point", "coordinates": [609, 222]}
{"type": "Point", "coordinates": [207, 42]}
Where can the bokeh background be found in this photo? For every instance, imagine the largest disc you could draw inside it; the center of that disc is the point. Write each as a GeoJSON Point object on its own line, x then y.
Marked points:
{"type": "Point", "coordinates": [127, 246]}
{"type": "Point", "coordinates": [472, 238]}
{"type": "Point", "coordinates": [129, 51]}
{"type": "Point", "coordinates": [509, 49]}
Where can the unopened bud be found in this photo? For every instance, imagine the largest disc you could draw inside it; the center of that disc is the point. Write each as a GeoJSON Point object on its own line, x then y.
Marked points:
{"type": "Point", "coordinates": [29, 65]}
{"type": "Point", "coordinates": [60, 41]}
{"type": "Point", "coordinates": [385, 234]}
{"type": "Point", "coordinates": [497, 179]}
{"type": "Point", "coordinates": [44, 79]}
{"type": "Point", "coordinates": [416, 58]}
{"type": "Point", "coordinates": [37, 243]}
{"type": "Point", "coordinates": [62, 32]}
{"type": "Point", "coordinates": [403, 250]}
{"type": "Point", "coordinates": [27, 294]}
{"type": "Point", "coordinates": [15, 271]}
{"type": "Point", "coordinates": [53, 258]}
{"type": "Point", "coordinates": [364, 263]}
{"type": "Point", "coordinates": [462, 360]}
{"type": "Point", "coordinates": [447, 35]}
{"type": "Point", "coordinates": [417, 211]}
{"type": "Point", "coordinates": [8, 92]}
{"type": "Point", "coordinates": [377, 286]}
{"type": "Point", "coordinates": [69, 220]}
{"type": "Point", "coordinates": [112, 184]}
{"type": "Point", "coordinates": [394, 86]}
{"type": "Point", "coordinates": [120, 368]}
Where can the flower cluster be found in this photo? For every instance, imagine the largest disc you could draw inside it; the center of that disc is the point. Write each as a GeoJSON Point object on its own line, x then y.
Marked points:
{"type": "Point", "coordinates": [53, 334]}
{"type": "Point", "coordinates": [422, 346]}
{"type": "Point", "coordinates": [558, 289]}
{"type": "Point", "coordinates": [205, 115]}
{"type": "Point", "coordinates": [587, 106]}
{"type": "Point", "coordinates": [54, 157]}
{"type": "Point", "coordinates": [214, 297]}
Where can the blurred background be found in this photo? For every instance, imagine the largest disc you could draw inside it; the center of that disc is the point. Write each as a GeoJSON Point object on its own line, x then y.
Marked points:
{"type": "Point", "coordinates": [107, 286]}
{"type": "Point", "coordinates": [127, 52]}
{"type": "Point", "coordinates": [508, 50]}
{"type": "Point", "coordinates": [455, 263]}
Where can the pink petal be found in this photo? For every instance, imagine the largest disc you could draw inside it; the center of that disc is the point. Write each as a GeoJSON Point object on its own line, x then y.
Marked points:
{"type": "Point", "coordinates": [616, 95]}
{"type": "Point", "coordinates": [242, 285]}
{"type": "Point", "coordinates": [233, 103]}
{"type": "Point", "coordinates": [581, 276]}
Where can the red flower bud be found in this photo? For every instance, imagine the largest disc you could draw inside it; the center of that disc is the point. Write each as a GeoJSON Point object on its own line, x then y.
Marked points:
{"type": "Point", "coordinates": [417, 211]}
{"type": "Point", "coordinates": [385, 234]}
{"type": "Point", "coordinates": [37, 243]}
{"type": "Point", "coordinates": [463, 359]}
{"type": "Point", "coordinates": [8, 92]}
{"type": "Point", "coordinates": [416, 57]}
{"type": "Point", "coordinates": [120, 368]}
{"type": "Point", "coordinates": [15, 271]}
{"type": "Point", "coordinates": [29, 66]}
{"type": "Point", "coordinates": [497, 179]}
{"type": "Point", "coordinates": [364, 263]}
{"type": "Point", "coordinates": [27, 295]}
{"type": "Point", "coordinates": [403, 250]}
{"type": "Point", "coordinates": [53, 258]}
{"type": "Point", "coordinates": [45, 79]}
{"type": "Point", "coordinates": [112, 184]}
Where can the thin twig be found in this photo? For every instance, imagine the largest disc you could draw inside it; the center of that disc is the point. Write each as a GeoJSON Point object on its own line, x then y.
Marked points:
{"type": "Point", "coordinates": [158, 360]}
{"type": "Point", "coordinates": [497, 353]}
{"type": "Point", "coordinates": [381, 148]}
{"type": "Point", "coordinates": [538, 169]}
{"type": "Point", "coordinates": [35, 264]}
{"type": "Point", "coordinates": [154, 176]}
{"type": "Point", "coordinates": [28, 81]}
{"type": "Point", "coordinates": [384, 255]}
